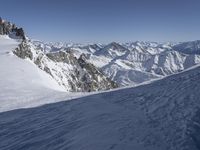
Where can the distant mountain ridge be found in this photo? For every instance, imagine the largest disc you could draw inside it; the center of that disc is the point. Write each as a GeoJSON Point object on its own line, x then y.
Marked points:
{"type": "Point", "coordinates": [135, 62]}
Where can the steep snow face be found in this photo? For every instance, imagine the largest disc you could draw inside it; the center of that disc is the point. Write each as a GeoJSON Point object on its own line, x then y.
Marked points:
{"type": "Point", "coordinates": [151, 60]}
{"type": "Point", "coordinates": [163, 115]}
{"type": "Point", "coordinates": [7, 44]}
{"type": "Point", "coordinates": [14, 69]}
{"type": "Point", "coordinates": [122, 72]}
{"type": "Point", "coordinates": [149, 47]}
{"type": "Point", "coordinates": [21, 82]}
{"type": "Point", "coordinates": [167, 62]}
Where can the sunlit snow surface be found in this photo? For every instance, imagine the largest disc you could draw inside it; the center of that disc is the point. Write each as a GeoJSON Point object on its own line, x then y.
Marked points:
{"type": "Point", "coordinates": [22, 83]}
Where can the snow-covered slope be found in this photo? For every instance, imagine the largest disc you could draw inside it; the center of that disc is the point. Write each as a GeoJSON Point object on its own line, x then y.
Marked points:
{"type": "Point", "coordinates": [137, 62]}
{"type": "Point", "coordinates": [21, 71]}
{"type": "Point", "coordinates": [163, 115]}
{"type": "Point", "coordinates": [22, 83]}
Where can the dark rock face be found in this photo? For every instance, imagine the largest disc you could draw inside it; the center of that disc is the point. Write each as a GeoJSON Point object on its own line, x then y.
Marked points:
{"type": "Point", "coordinates": [7, 28]}
{"type": "Point", "coordinates": [82, 61]}
{"type": "Point", "coordinates": [95, 75]}
{"type": "Point", "coordinates": [23, 51]}
{"type": "Point", "coordinates": [20, 33]}
{"type": "Point", "coordinates": [62, 57]}
{"type": "Point", "coordinates": [85, 76]}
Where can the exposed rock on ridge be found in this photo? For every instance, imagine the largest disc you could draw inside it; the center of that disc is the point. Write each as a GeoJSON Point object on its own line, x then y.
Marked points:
{"type": "Point", "coordinates": [75, 75]}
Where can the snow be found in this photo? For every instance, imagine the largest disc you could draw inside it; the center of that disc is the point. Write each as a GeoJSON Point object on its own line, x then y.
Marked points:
{"type": "Point", "coordinates": [191, 47]}
{"type": "Point", "coordinates": [99, 61]}
{"type": "Point", "coordinates": [23, 84]}
{"type": "Point", "coordinates": [155, 116]}
{"type": "Point", "coordinates": [151, 59]}
{"type": "Point", "coordinates": [7, 44]}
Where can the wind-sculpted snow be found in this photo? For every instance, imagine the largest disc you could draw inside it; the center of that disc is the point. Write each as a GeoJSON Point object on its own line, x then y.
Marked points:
{"type": "Point", "coordinates": [163, 115]}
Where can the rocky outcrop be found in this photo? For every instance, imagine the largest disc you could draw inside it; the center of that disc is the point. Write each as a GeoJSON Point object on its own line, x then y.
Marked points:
{"type": "Point", "coordinates": [23, 50]}
{"type": "Point", "coordinates": [62, 56]}
{"type": "Point", "coordinates": [96, 75]}
{"type": "Point", "coordinates": [7, 28]}
{"type": "Point", "coordinates": [83, 76]}
{"type": "Point", "coordinates": [75, 75]}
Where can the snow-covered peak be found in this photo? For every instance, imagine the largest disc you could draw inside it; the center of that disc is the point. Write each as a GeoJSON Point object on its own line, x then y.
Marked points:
{"type": "Point", "coordinates": [111, 50]}
{"type": "Point", "coordinates": [151, 59]}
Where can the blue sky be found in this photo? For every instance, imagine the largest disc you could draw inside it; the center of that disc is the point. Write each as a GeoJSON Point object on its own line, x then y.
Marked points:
{"type": "Point", "coordinates": [105, 21]}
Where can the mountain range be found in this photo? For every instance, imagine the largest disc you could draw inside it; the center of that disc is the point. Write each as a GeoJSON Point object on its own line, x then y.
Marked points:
{"type": "Point", "coordinates": [133, 63]}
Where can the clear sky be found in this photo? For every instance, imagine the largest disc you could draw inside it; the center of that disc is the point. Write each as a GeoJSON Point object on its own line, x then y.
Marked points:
{"type": "Point", "coordinates": [105, 20]}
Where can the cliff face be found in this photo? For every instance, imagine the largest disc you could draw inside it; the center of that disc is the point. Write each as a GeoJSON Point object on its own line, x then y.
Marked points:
{"type": "Point", "coordinates": [7, 28]}
{"type": "Point", "coordinates": [81, 76]}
